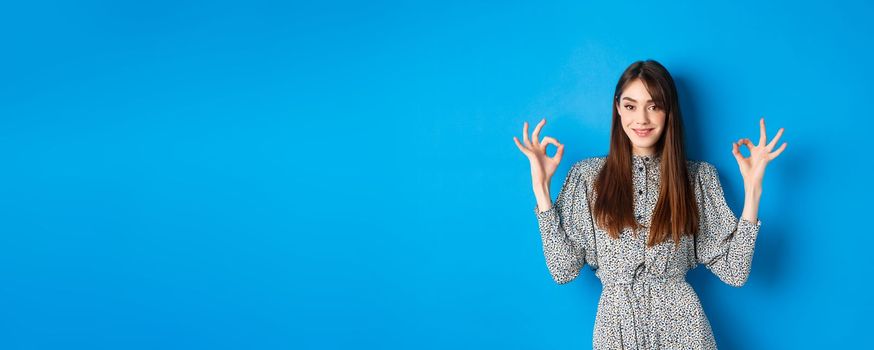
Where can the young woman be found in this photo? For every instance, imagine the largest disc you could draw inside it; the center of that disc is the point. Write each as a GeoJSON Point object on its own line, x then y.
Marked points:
{"type": "Point", "coordinates": [643, 215]}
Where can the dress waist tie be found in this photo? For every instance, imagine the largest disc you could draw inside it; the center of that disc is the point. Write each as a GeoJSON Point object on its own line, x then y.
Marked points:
{"type": "Point", "coordinates": [634, 327]}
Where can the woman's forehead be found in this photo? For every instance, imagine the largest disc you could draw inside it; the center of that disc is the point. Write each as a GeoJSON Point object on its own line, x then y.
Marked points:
{"type": "Point", "coordinates": [636, 91]}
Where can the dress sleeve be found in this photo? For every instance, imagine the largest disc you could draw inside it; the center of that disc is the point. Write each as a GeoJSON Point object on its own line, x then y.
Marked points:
{"type": "Point", "coordinates": [566, 229]}
{"type": "Point", "coordinates": [725, 243]}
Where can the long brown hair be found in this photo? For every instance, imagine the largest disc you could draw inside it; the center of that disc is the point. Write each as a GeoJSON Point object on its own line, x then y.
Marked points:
{"type": "Point", "coordinates": [676, 211]}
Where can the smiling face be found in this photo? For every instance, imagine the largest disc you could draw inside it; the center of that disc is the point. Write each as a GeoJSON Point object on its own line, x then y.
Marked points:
{"type": "Point", "coordinates": [642, 119]}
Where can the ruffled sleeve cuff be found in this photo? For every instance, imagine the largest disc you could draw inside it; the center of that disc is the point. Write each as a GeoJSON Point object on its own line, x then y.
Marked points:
{"type": "Point", "coordinates": [548, 219]}
{"type": "Point", "coordinates": [748, 227]}
{"type": "Point", "coordinates": [548, 214]}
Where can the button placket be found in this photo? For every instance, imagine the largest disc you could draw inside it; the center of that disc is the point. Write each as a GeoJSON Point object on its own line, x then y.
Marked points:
{"type": "Point", "coordinates": [640, 182]}
{"type": "Point", "coordinates": [641, 191]}
{"type": "Point", "coordinates": [651, 184]}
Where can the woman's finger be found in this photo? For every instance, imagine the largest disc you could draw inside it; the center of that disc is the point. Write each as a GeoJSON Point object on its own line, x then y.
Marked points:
{"type": "Point", "coordinates": [774, 141]}
{"type": "Point", "coordinates": [558, 153]}
{"type": "Point", "coordinates": [735, 150]}
{"type": "Point", "coordinates": [549, 139]}
{"type": "Point", "coordinates": [778, 151]}
{"type": "Point", "coordinates": [749, 144]}
{"type": "Point", "coordinates": [535, 138]}
{"type": "Point", "coordinates": [553, 141]}
{"type": "Point", "coordinates": [525, 138]}
{"type": "Point", "coordinates": [522, 148]}
{"type": "Point", "coordinates": [763, 136]}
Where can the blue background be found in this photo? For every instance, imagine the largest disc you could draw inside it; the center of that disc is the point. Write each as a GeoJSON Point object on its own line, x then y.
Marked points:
{"type": "Point", "coordinates": [343, 175]}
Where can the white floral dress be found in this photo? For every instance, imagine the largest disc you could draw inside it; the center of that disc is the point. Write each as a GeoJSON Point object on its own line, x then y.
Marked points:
{"type": "Point", "coordinates": [646, 302]}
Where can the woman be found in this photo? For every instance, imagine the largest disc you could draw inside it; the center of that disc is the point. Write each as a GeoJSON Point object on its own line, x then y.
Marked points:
{"type": "Point", "coordinates": [643, 215]}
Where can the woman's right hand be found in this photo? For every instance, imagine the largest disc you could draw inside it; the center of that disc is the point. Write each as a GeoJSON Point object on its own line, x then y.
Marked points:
{"type": "Point", "coordinates": [542, 166]}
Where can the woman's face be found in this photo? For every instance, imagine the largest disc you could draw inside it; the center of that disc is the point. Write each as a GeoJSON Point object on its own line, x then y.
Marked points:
{"type": "Point", "coordinates": [641, 119]}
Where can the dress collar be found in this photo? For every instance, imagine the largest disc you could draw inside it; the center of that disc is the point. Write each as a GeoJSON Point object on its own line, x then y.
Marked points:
{"type": "Point", "coordinates": [652, 159]}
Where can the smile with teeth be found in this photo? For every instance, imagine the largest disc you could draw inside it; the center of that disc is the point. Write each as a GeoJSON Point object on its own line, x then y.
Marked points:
{"type": "Point", "coordinates": [643, 132]}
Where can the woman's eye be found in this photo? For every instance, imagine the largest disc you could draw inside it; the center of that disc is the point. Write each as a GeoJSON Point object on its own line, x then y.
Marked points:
{"type": "Point", "coordinates": [629, 107]}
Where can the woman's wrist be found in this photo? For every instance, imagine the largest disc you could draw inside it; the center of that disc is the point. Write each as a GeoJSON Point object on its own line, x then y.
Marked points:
{"type": "Point", "coordinates": [752, 196]}
{"type": "Point", "coordinates": [754, 193]}
{"type": "Point", "coordinates": [541, 188]}
{"type": "Point", "coordinates": [541, 192]}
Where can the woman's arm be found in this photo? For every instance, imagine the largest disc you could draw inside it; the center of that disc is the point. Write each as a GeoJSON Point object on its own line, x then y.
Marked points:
{"type": "Point", "coordinates": [726, 245]}
{"type": "Point", "coordinates": [563, 249]}
{"type": "Point", "coordinates": [562, 246]}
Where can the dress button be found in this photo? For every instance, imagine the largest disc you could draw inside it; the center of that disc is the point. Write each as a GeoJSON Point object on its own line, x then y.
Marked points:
{"type": "Point", "coordinates": [639, 191]}
{"type": "Point", "coordinates": [640, 168]}
{"type": "Point", "coordinates": [639, 217]}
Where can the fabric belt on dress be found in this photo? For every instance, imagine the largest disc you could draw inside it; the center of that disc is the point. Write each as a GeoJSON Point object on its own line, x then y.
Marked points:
{"type": "Point", "coordinates": [635, 328]}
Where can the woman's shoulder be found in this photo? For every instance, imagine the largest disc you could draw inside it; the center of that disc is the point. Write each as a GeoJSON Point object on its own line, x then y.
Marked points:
{"type": "Point", "coordinates": [701, 170]}
{"type": "Point", "coordinates": [589, 167]}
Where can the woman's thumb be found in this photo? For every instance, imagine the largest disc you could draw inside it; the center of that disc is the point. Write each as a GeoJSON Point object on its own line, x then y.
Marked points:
{"type": "Point", "coordinates": [559, 152]}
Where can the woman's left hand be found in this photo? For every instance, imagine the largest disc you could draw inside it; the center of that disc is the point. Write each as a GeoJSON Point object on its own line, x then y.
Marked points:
{"type": "Point", "coordinates": [753, 167]}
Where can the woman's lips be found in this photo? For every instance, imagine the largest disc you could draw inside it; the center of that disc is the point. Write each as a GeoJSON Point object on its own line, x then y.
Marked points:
{"type": "Point", "coordinates": [643, 132]}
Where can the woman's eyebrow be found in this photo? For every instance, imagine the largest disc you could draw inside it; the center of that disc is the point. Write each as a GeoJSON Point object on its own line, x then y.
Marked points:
{"type": "Point", "coordinates": [633, 100]}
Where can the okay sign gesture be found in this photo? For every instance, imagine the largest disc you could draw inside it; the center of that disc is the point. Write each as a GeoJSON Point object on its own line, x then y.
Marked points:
{"type": "Point", "coordinates": [542, 165]}
{"type": "Point", "coordinates": [753, 167]}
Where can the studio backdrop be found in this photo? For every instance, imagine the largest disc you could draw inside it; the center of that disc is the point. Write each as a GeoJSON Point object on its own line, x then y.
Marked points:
{"type": "Point", "coordinates": [342, 175]}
